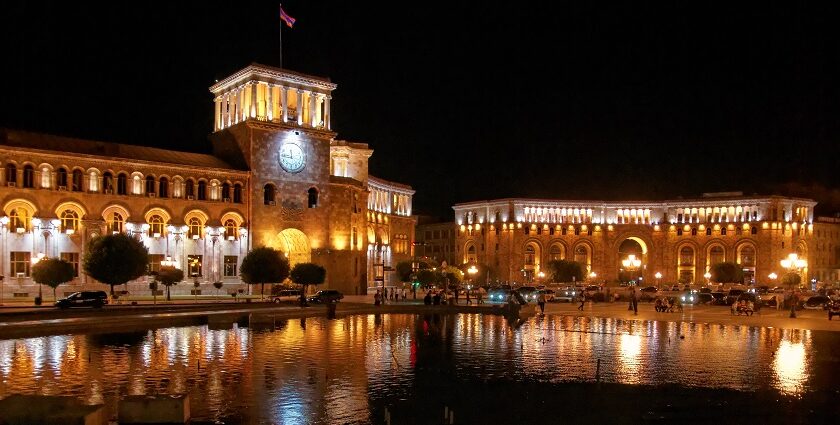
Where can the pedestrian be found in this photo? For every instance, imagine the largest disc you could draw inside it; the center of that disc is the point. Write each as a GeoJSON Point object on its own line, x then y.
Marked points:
{"type": "Point", "coordinates": [392, 294]}
{"type": "Point", "coordinates": [469, 301]}
{"type": "Point", "coordinates": [582, 300]}
{"type": "Point", "coordinates": [377, 298]}
{"type": "Point", "coordinates": [456, 295]}
{"type": "Point", "coordinates": [634, 301]}
{"type": "Point", "coordinates": [480, 295]}
{"type": "Point", "coordinates": [405, 294]}
{"type": "Point", "coordinates": [630, 299]}
{"type": "Point", "coordinates": [541, 302]}
{"type": "Point", "coordinates": [427, 300]}
{"type": "Point", "coordinates": [436, 298]}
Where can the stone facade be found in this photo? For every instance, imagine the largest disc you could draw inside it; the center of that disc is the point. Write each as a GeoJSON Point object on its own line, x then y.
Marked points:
{"type": "Point", "coordinates": [679, 239]}
{"type": "Point", "coordinates": [277, 177]}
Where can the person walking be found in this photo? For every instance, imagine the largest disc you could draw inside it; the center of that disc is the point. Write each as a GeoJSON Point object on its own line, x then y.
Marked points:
{"type": "Point", "coordinates": [630, 299]}
{"type": "Point", "coordinates": [377, 298]}
{"type": "Point", "coordinates": [634, 300]}
{"type": "Point", "coordinates": [404, 294]}
{"type": "Point", "coordinates": [541, 302]}
{"type": "Point", "coordinates": [480, 295]}
{"type": "Point", "coordinates": [582, 300]}
{"type": "Point", "coordinates": [469, 301]}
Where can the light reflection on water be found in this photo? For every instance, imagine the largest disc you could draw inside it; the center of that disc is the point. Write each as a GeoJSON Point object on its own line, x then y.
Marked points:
{"type": "Point", "coordinates": [322, 371]}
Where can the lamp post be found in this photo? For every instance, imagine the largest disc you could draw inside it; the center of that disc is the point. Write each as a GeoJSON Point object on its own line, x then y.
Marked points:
{"type": "Point", "coordinates": [658, 276]}
{"type": "Point", "coordinates": [473, 270]}
{"type": "Point", "coordinates": [631, 263]}
{"type": "Point", "coordinates": [4, 221]}
{"type": "Point", "coordinates": [708, 277]}
{"type": "Point", "coordinates": [793, 264]}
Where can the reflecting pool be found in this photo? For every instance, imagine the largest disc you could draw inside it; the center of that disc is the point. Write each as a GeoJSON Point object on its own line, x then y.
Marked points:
{"type": "Point", "coordinates": [350, 369]}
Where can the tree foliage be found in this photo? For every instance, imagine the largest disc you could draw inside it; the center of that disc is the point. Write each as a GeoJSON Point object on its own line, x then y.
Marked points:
{"type": "Point", "coordinates": [565, 270]}
{"type": "Point", "coordinates": [264, 265]}
{"type": "Point", "coordinates": [427, 277]}
{"type": "Point", "coordinates": [404, 271]}
{"type": "Point", "coordinates": [168, 276]}
{"type": "Point", "coordinates": [306, 274]}
{"type": "Point", "coordinates": [53, 272]}
{"type": "Point", "coordinates": [792, 279]}
{"type": "Point", "coordinates": [726, 272]}
{"type": "Point", "coordinates": [453, 276]}
{"type": "Point", "coordinates": [115, 259]}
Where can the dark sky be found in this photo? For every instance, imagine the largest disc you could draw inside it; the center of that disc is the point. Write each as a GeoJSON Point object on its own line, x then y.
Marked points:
{"type": "Point", "coordinates": [465, 102]}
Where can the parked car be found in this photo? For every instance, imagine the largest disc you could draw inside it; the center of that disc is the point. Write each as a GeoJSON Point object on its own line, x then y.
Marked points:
{"type": "Point", "coordinates": [285, 294]}
{"type": "Point", "coordinates": [498, 294]}
{"type": "Point", "coordinates": [95, 299]}
{"type": "Point", "coordinates": [592, 290]}
{"type": "Point", "coordinates": [647, 293]}
{"type": "Point", "coordinates": [719, 298]}
{"type": "Point", "coordinates": [326, 296]}
{"type": "Point", "coordinates": [769, 300]}
{"type": "Point", "coordinates": [566, 294]}
{"type": "Point", "coordinates": [529, 293]}
{"type": "Point", "coordinates": [817, 302]}
{"type": "Point", "coordinates": [689, 298]}
{"type": "Point", "coordinates": [703, 298]}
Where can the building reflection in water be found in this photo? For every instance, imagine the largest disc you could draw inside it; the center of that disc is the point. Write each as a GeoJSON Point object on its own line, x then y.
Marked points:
{"type": "Point", "coordinates": [337, 371]}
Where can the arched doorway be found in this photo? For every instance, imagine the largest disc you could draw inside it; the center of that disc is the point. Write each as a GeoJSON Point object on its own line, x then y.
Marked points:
{"type": "Point", "coordinates": [532, 254]}
{"type": "Point", "coordinates": [747, 260]}
{"type": "Point", "coordinates": [686, 264]}
{"type": "Point", "coordinates": [295, 245]}
{"type": "Point", "coordinates": [632, 251]}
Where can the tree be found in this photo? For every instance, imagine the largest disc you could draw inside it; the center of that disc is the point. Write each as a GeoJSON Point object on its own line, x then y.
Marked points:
{"type": "Point", "coordinates": [792, 279]}
{"type": "Point", "coordinates": [306, 274]}
{"type": "Point", "coordinates": [453, 276]}
{"type": "Point", "coordinates": [404, 271]}
{"type": "Point", "coordinates": [264, 265]}
{"type": "Point", "coordinates": [168, 276]}
{"type": "Point", "coordinates": [52, 272]}
{"type": "Point", "coordinates": [427, 277]}
{"type": "Point", "coordinates": [115, 259]}
{"type": "Point", "coordinates": [726, 272]}
{"type": "Point", "coordinates": [565, 271]}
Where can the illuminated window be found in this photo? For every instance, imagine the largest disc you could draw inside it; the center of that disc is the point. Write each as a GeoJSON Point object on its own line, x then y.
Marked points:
{"type": "Point", "coordinates": [108, 182]}
{"type": "Point", "coordinates": [230, 266]}
{"type": "Point", "coordinates": [19, 220]}
{"type": "Point", "coordinates": [748, 256]}
{"type": "Point", "coordinates": [231, 229]}
{"type": "Point", "coordinates": [194, 265]}
{"type": "Point", "coordinates": [196, 228]}
{"type": "Point", "coordinates": [529, 255]}
{"type": "Point", "coordinates": [156, 226]}
{"type": "Point", "coordinates": [693, 231]}
{"type": "Point", "coordinates": [723, 231]}
{"type": "Point", "coordinates": [69, 221]}
{"type": "Point", "coordinates": [154, 262]}
{"type": "Point", "coordinates": [716, 255]}
{"type": "Point", "coordinates": [116, 223]}
{"type": "Point", "coordinates": [19, 263]}
{"type": "Point", "coordinates": [73, 259]}
{"type": "Point", "coordinates": [686, 256]}
{"type": "Point", "coordinates": [556, 252]}
{"type": "Point", "coordinates": [708, 231]}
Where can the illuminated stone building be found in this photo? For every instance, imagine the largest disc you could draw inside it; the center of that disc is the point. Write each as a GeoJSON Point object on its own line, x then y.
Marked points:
{"type": "Point", "coordinates": [277, 177]}
{"type": "Point", "coordinates": [681, 239]}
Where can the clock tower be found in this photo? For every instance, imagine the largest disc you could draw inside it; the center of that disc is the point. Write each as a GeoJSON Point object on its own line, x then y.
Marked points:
{"type": "Point", "coordinates": [276, 124]}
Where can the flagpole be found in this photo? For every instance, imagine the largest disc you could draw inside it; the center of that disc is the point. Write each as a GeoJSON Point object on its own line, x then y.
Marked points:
{"type": "Point", "coordinates": [280, 21]}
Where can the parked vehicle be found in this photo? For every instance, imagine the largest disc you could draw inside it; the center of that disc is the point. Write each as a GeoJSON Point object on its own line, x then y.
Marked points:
{"type": "Point", "coordinates": [703, 298]}
{"type": "Point", "coordinates": [719, 298]}
{"type": "Point", "coordinates": [326, 296]}
{"type": "Point", "coordinates": [285, 294]}
{"type": "Point", "coordinates": [592, 290]}
{"type": "Point", "coordinates": [566, 294]}
{"type": "Point", "coordinates": [548, 293]}
{"type": "Point", "coordinates": [647, 293]}
{"type": "Point", "coordinates": [499, 293]}
{"type": "Point", "coordinates": [95, 299]}
{"type": "Point", "coordinates": [530, 293]}
{"type": "Point", "coordinates": [833, 309]}
{"type": "Point", "coordinates": [817, 302]}
{"type": "Point", "coordinates": [689, 298]}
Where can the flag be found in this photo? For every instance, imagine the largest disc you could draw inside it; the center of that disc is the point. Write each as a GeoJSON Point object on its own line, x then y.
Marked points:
{"type": "Point", "coordinates": [286, 18]}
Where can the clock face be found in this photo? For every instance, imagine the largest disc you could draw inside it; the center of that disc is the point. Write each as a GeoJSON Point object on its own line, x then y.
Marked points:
{"type": "Point", "coordinates": [291, 157]}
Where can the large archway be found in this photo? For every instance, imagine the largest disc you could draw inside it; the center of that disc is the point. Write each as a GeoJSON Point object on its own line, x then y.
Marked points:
{"type": "Point", "coordinates": [632, 251]}
{"type": "Point", "coordinates": [295, 245]}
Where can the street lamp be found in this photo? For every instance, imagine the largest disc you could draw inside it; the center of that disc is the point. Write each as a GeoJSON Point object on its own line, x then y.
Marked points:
{"type": "Point", "coordinates": [472, 271]}
{"type": "Point", "coordinates": [793, 264]}
{"type": "Point", "coordinates": [708, 277]}
{"type": "Point", "coordinates": [657, 276]}
{"type": "Point", "coordinates": [631, 263]}
{"type": "Point", "coordinates": [592, 276]}
{"type": "Point", "coordinates": [4, 221]}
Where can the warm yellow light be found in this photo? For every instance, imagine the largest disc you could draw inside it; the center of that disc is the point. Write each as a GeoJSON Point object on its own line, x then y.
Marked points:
{"type": "Point", "coordinates": [772, 276]}
{"type": "Point", "coordinates": [656, 227]}
{"type": "Point", "coordinates": [610, 227]}
{"type": "Point", "coordinates": [593, 275]}
{"type": "Point", "coordinates": [658, 275]}
{"type": "Point", "coordinates": [707, 275]}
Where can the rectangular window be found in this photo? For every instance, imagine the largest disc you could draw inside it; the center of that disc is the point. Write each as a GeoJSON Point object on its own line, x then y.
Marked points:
{"type": "Point", "coordinates": [230, 265]}
{"type": "Point", "coordinates": [428, 234]}
{"type": "Point", "coordinates": [154, 262]}
{"type": "Point", "coordinates": [72, 258]}
{"type": "Point", "coordinates": [354, 242]}
{"type": "Point", "coordinates": [194, 265]}
{"type": "Point", "coordinates": [19, 262]}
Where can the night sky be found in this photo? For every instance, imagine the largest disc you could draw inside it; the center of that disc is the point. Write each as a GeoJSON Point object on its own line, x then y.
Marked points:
{"type": "Point", "coordinates": [466, 102]}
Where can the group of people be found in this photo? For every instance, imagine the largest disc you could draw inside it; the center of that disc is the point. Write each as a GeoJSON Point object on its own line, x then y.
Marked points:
{"type": "Point", "coordinates": [440, 297]}
{"type": "Point", "coordinates": [392, 294]}
{"type": "Point", "coordinates": [665, 304]}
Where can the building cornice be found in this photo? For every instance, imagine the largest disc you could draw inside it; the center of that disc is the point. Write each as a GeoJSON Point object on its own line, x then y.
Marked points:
{"type": "Point", "coordinates": [271, 74]}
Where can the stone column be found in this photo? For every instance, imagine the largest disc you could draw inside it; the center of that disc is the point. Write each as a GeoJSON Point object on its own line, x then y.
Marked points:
{"type": "Point", "coordinates": [327, 112]}
{"type": "Point", "coordinates": [269, 103]}
{"type": "Point", "coordinates": [226, 110]}
{"type": "Point", "coordinates": [217, 121]}
{"type": "Point", "coordinates": [284, 110]}
{"type": "Point", "coordinates": [236, 106]}
{"type": "Point", "coordinates": [312, 104]}
{"type": "Point", "coordinates": [253, 108]}
{"type": "Point", "coordinates": [299, 107]}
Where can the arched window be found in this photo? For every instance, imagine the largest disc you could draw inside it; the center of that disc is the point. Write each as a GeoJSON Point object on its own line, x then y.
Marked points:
{"type": "Point", "coordinates": [268, 194]}
{"type": "Point", "coordinates": [116, 223]}
{"type": "Point", "coordinates": [754, 230]}
{"type": "Point", "coordinates": [686, 256]}
{"type": "Point", "coordinates": [156, 225]}
{"type": "Point", "coordinates": [150, 185]}
{"type": "Point", "coordinates": [196, 228]}
{"type": "Point", "coordinates": [11, 174]}
{"type": "Point", "coordinates": [716, 255]}
{"type": "Point", "coordinates": [19, 220]}
{"type": "Point", "coordinates": [108, 182]}
{"type": "Point", "coordinates": [77, 181]}
{"type": "Point", "coordinates": [471, 257]}
{"type": "Point", "coordinates": [202, 190]}
{"type": "Point", "coordinates": [226, 192]}
{"type": "Point", "coordinates": [163, 187]}
{"type": "Point", "coordinates": [556, 252]}
{"type": "Point", "coordinates": [231, 229]}
{"type": "Point", "coordinates": [190, 189]}
{"type": "Point", "coordinates": [61, 178]}
{"type": "Point", "coordinates": [708, 231]}
{"type": "Point", "coordinates": [122, 184]}
{"type": "Point", "coordinates": [69, 222]}
{"type": "Point", "coordinates": [28, 176]}
{"type": "Point", "coordinates": [313, 197]}
{"type": "Point", "coordinates": [748, 256]}
{"type": "Point", "coordinates": [529, 255]}
{"type": "Point", "coordinates": [581, 255]}
{"type": "Point", "coordinates": [237, 193]}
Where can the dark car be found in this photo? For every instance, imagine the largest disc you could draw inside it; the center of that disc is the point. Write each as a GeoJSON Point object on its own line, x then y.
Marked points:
{"type": "Point", "coordinates": [817, 302]}
{"type": "Point", "coordinates": [94, 299]}
{"type": "Point", "coordinates": [530, 293]}
{"type": "Point", "coordinates": [499, 293]}
{"type": "Point", "coordinates": [833, 308]}
{"type": "Point", "coordinates": [647, 293]}
{"type": "Point", "coordinates": [326, 296]}
{"type": "Point", "coordinates": [704, 298]}
{"type": "Point", "coordinates": [719, 298]}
